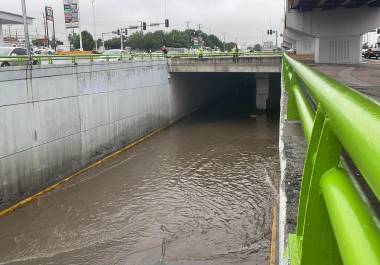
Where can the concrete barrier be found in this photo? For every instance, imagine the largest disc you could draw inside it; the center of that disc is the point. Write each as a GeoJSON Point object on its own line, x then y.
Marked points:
{"type": "Point", "coordinates": [55, 120]}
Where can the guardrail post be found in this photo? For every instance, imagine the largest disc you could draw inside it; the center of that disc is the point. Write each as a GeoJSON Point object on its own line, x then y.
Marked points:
{"type": "Point", "coordinates": [315, 243]}
{"type": "Point", "coordinates": [308, 168]}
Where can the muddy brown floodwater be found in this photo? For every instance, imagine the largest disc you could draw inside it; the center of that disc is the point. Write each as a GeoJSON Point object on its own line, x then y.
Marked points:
{"type": "Point", "coordinates": [199, 192]}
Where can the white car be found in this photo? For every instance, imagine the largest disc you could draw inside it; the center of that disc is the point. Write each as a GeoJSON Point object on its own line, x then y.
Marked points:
{"type": "Point", "coordinates": [113, 55]}
{"type": "Point", "coordinates": [8, 56]}
{"type": "Point", "coordinates": [44, 50]}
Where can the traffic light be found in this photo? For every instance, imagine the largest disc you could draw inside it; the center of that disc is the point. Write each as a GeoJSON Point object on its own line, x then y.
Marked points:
{"type": "Point", "coordinates": [271, 32]}
{"type": "Point", "coordinates": [144, 25]}
{"type": "Point", "coordinates": [118, 32]}
{"type": "Point", "coordinates": [378, 31]}
{"type": "Point", "coordinates": [268, 32]}
{"type": "Point", "coordinates": [167, 23]}
{"type": "Point", "coordinates": [126, 31]}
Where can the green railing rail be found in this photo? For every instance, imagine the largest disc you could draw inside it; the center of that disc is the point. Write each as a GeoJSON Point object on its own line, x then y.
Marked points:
{"type": "Point", "coordinates": [50, 59]}
{"type": "Point", "coordinates": [336, 224]}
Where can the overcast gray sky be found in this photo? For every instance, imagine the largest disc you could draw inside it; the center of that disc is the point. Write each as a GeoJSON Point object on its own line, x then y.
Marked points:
{"type": "Point", "coordinates": [245, 20]}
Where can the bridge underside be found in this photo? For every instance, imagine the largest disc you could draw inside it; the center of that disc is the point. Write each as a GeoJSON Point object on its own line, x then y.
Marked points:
{"type": "Point", "coordinates": [332, 31]}
{"type": "Point", "coordinates": [308, 5]}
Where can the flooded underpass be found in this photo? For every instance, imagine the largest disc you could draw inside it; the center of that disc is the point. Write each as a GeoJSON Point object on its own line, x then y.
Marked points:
{"type": "Point", "coordinates": [198, 192]}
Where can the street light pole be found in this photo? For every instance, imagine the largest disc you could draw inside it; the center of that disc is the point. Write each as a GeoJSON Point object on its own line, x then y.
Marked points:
{"type": "Point", "coordinates": [188, 34]}
{"type": "Point", "coordinates": [93, 19]}
{"type": "Point", "coordinates": [80, 31]}
{"type": "Point", "coordinates": [26, 32]}
{"type": "Point", "coordinates": [104, 47]}
{"type": "Point", "coordinates": [224, 42]}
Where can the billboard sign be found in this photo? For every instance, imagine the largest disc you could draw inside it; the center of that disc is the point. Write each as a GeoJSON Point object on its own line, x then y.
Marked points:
{"type": "Point", "coordinates": [49, 13]}
{"type": "Point", "coordinates": [71, 11]}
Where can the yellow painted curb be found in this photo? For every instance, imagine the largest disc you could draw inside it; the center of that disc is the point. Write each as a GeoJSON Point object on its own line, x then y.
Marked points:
{"type": "Point", "coordinates": [272, 260]}
{"type": "Point", "coordinates": [60, 183]}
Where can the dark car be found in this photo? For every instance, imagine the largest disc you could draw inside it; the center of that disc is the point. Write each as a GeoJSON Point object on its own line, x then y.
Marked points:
{"type": "Point", "coordinates": [372, 53]}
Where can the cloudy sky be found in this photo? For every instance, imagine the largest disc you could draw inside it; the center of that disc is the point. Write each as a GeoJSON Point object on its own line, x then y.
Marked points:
{"type": "Point", "coordinates": [244, 20]}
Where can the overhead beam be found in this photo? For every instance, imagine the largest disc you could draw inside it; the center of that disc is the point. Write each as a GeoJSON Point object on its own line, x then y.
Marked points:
{"type": "Point", "coordinates": [295, 3]}
{"type": "Point", "coordinates": [320, 3]}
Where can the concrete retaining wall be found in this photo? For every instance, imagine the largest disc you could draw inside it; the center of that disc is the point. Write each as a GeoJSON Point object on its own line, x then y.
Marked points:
{"type": "Point", "coordinates": [54, 120]}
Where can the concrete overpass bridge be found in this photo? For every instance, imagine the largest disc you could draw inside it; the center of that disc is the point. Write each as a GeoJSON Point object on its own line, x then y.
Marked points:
{"type": "Point", "coordinates": [253, 64]}
{"type": "Point", "coordinates": [185, 161]}
{"type": "Point", "coordinates": [330, 30]}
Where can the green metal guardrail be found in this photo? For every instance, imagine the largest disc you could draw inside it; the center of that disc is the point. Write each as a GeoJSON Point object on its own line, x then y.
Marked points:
{"type": "Point", "coordinates": [50, 59]}
{"type": "Point", "coordinates": [336, 224]}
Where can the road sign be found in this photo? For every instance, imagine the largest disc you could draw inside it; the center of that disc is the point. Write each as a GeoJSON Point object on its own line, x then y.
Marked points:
{"type": "Point", "coordinates": [49, 13]}
{"type": "Point", "coordinates": [71, 11]}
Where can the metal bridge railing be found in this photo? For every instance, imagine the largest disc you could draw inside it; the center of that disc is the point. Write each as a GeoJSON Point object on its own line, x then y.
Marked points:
{"type": "Point", "coordinates": [51, 59]}
{"type": "Point", "coordinates": [336, 224]}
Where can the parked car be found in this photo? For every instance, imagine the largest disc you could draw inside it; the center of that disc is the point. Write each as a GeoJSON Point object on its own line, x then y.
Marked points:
{"type": "Point", "coordinates": [11, 51]}
{"type": "Point", "coordinates": [372, 53]}
{"type": "Point", "coordinates": [291, 51]}
{"type": "Point", "coordinates": [113, 55]}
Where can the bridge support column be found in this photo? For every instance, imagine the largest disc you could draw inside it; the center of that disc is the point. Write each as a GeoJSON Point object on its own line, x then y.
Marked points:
{"type": "Point", "coordinates": [338, 49]}
{"type": "Point", "coordinates": [262, 90]}
{"type": "Point", "coordinates": [305, 46]}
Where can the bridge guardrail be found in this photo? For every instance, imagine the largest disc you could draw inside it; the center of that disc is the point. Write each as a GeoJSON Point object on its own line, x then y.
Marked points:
{"type": "Point", "coordinates": [336, 224]}
{"type": "Point", "coordinates": [50, 59]}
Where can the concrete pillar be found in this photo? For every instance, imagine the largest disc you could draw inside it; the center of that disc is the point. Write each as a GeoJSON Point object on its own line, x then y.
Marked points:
{"type": "Point", "coordinates": [339, 49]}
{"type": "Point", "coordinates": [262, 90]}
{"type": "Point", "coordinates": [305, 46]}
{"type": "Point", "coordinates": [1, 35]}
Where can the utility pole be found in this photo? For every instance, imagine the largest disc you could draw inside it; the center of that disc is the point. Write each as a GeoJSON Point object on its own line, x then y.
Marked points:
{"type": "Point", "coordinates": [224, 41]}
{"type": "Point", "coordinates": [121, 40]}
{"type": "Point", "coordinates": [26, 32]}
{"type": "Point", "coordinates": [199, 27]}
{"type": "Point", "coordinates": [270, 32]}
{"type": "Point", "coordinates": [104, 46]}
{"type": "Point", "coordinates": [43, 15]}
{"type": "Point", "coordinates": [47, 30]}
{"type": "Point", "coordinates": [93, 19]}
{"type": "Point", "coordinates": [54, 43]}
{"type": "Point", "coordinates": [80, 30]}
{"type": "Point", "coordinates": [188, 34]}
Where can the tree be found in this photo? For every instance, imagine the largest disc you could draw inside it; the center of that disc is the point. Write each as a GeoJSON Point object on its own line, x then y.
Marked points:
{"type": "Point", "coordinates": [38, 42]}
{"type": "Point", "coordinates": [230, 46]}
{"type": "Point", "coordinates": [213, 41]}
{"type": "Point", "coordinates": [153, 41]}
{"type": "Point", "coordinates": [257, 47]}
{"type": "Point", "coordinates": [87, 39]}
{"type": "Point", "coordinates": [113, 43]}
{"type": "Point", "coordinates": [136, 41]}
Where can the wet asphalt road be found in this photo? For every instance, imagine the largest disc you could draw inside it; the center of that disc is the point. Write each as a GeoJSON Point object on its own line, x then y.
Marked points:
{"type": "Point", "coordinates": [199, 192]}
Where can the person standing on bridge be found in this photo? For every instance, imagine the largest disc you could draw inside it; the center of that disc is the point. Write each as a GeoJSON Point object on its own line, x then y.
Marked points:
{"type": "Point", "coordinates": [200, 52]}
{"type": "Point", "coordinates": [235, 52]}
{"type": "Point", "coordinates": [165, 51]}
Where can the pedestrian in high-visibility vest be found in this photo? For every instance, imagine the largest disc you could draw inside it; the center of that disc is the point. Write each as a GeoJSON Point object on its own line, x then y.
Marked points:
{"type": "Point", "coordinates": [235, 52]}
{"type": "Point", "coordinates": [200, 52]}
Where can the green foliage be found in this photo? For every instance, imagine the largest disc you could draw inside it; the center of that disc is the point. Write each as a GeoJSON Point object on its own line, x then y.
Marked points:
{"type": "Point", "coordinates": [230, 46]}
{"type": "Point", "coordinates": [87, 39]}
{"type": "Point", "coordinates": [257, 47]}
{"type": "Point", "coordinates": [38, 42]}
{"type": "Point", "coordinates": [153, 41]}
{"type": "Point", "coordinates": [113, 43]}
